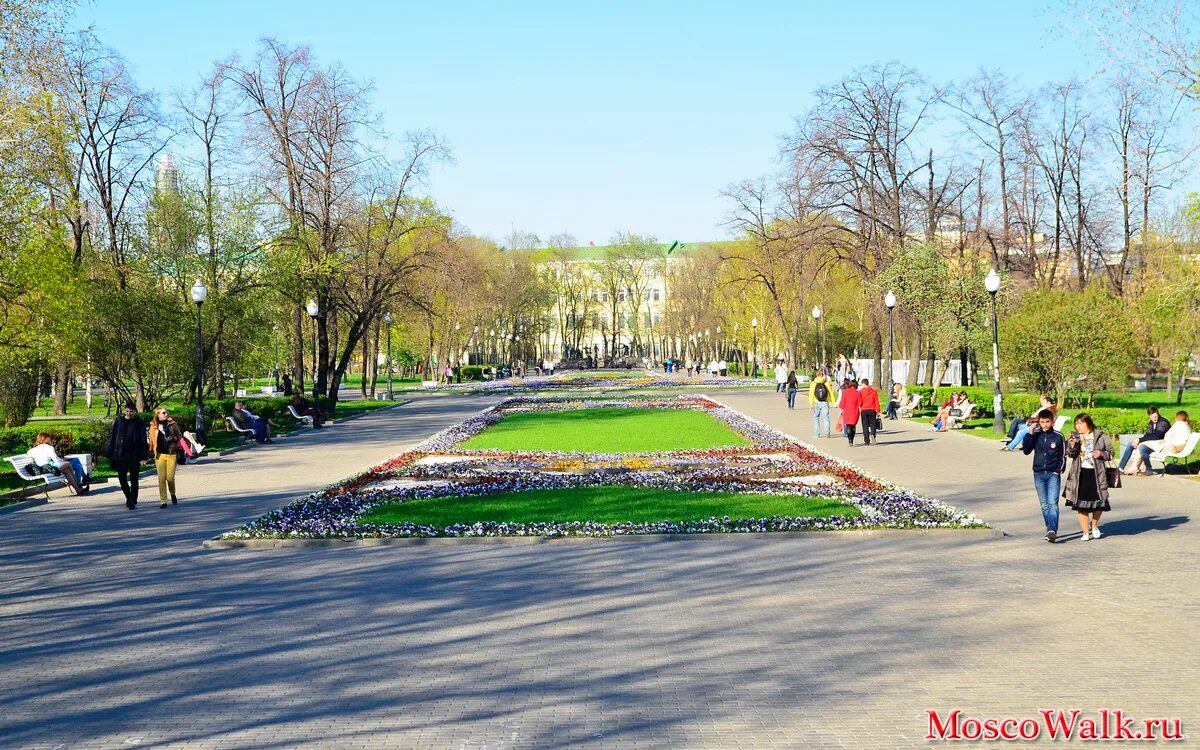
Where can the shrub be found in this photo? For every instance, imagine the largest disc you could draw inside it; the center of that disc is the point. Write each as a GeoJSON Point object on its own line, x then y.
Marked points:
{"type": "Point", "coordinates": [74, 437]}
{"type": "Point", "coordinates": [18, 390]}
{"type": "Point", "coordinates": [473, 372]}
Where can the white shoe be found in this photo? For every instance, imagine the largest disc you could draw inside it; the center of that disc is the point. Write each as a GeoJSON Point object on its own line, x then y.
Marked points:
{"type": "Point", "coordinates": [1096, 533]}
{"type": "Point", "coordinates": [1085, 537]}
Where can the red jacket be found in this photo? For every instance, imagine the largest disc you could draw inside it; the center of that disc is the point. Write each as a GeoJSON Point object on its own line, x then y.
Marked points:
{"type": "Point", "coordinates": [851, 403]}
{"type": "Point", "coordinates": [870, 398]}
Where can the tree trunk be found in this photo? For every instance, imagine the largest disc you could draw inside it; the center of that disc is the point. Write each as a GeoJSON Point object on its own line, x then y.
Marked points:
{"type": "Point", "coordinates": [218, 358]}
{"type": "Point", "coordinates": [914, 361]}
{"type": "Point", "coordinates": [62, 386]}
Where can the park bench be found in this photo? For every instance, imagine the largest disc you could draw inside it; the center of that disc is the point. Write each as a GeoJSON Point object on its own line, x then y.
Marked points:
{"type": "Point", "coordinates": [1162, 456]}
{"type": "Point", "coordinates": [300, 417]}
{"type": "Point", "coordinates": [906, 410]}
{"type": "Point", "coordinates": [958, 422]}
{"type": "Point", "coordinates": [29, 471]}
{"type": "Point", "coordinates": [1059, 422]}
{"type": "Point", "coordinates": [243, 433]}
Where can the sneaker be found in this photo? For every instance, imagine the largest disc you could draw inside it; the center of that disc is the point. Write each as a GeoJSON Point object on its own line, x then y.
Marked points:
{"type": "Point", "coordinates": [1051, 536]}
{"type": "Point", "coordinates": [1096, 533]}
{"type": "Point", "coordinates": [1085, 538]}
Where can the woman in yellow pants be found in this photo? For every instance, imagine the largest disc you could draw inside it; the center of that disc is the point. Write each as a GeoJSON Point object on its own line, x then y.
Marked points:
{"type": "Point", "coordinates": [164, 442]}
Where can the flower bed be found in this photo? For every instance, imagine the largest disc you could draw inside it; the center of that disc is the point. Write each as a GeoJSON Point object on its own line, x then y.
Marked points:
{"type": "Point", "coordinates": [773, 464]}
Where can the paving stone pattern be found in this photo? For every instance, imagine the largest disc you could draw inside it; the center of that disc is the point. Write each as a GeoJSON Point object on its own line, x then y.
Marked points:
{"type": "Point", "coordinates": [120, 630]}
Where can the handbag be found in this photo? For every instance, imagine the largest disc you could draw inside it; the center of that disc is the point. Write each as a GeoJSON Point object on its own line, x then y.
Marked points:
{"type": "Point", "coordinates": [956, 412]}
{"type": "Point", "coordinates": [1113, 475]}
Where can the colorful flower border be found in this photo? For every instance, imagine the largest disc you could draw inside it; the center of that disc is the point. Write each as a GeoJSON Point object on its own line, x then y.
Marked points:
{"type": "Point", "coordinates": [631, 380]}
{"type": "Point", "coordinates": [335, 511]}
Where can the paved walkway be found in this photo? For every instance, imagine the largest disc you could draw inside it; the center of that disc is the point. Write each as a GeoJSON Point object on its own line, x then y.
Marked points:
{"type": "Point", "coordinates": [120, 630]}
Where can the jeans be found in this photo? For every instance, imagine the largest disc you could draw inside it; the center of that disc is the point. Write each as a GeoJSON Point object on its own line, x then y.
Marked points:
{"type": "Point", "coordinates": [870, 425]}
{"type": "Point", "coordinates": [1014, 426]}
{"type": "Point", "coordinates": [780, 387]}
{"type": "Point", "coordinates": [77, 465]}
{"type": "Point", "coordinates": [892, 406]}
{"type": "Point", "coordinates": [791, 394]}
{"type": "Point", "coordinates": [849, 430]}
{"type": "Point", "coordinates": [1048, 484]}
{"type": "Point", "coordinates": [1015, 443]}
{"type": "Point", "coordinates": [821, 416]}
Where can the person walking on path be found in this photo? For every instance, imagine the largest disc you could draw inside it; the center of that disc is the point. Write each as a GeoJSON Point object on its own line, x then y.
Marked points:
{"type": "Point", "coordinates": [1155, 430]}
{"type": "Point", "coordinates": [869, 414]}
{"type": "Point", "coordinates": [781, 372]}
{"type": "Point", "coordinates": [819, 397]}
{"type": "Point", "coordinates": [1090, 450]}
{"type": "Point", "coordinates": [850, 404]}
{"type": "Point", "coordinates": [127, 449]}
{"type": "Point", "coordinates": [164, 442]}
{"type": "Point", "coordinates": [1049, 460]}
{"type": "Point", "coordinates": [792, 385]}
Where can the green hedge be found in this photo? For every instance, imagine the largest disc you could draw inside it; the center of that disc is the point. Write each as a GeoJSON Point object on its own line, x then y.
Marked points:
{"type": "Point", "coordinates": [1014, 404]}
{"type": "Point", "coordinates": [474, 372]}
{"type": "Point", "coordinates": [79, 437]}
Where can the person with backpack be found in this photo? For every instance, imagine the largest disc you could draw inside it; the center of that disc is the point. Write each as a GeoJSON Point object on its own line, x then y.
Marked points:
{"type": "Point", "coordinates": [127, 449]}
{"type": "Point", "coordinates": [818, 401]}
{"type": "Point", "coordinates": [1049, 450]}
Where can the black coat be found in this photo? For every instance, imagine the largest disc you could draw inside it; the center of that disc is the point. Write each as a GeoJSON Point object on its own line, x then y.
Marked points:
{"type": "Point", "coordinates": [127, 441]}
{"type": "Point", "coordinates": [1156, 430]}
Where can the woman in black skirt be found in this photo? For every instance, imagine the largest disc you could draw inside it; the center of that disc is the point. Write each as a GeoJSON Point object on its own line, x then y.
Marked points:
{"type": "Point", "coordinates": [1086, 490]}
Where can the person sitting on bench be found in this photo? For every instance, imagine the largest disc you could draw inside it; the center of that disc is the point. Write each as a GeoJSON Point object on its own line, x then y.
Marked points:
{"type": "Point", "coordinates": [250, 421]}
{"type": "Point", "coordinates": [305, 409]}
{"type": "Point", "coordinates": [47, 459]}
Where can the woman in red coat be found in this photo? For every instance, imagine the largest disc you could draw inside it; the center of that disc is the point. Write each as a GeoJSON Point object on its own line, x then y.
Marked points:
{"type": "Point", "coordinates": [869, 411]}
{"type": "Point", "coordinates": [850, 403]}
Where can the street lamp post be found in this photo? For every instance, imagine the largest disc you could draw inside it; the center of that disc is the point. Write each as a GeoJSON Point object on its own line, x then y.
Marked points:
{"type": "Point", "coordinates": [199, 294]}
{"type": "Point", "coordinates": [457, 366]}
{"type": "Point", "coordinates": [720, 352]}
{"type": "Point", "coordinates": [992, 284]}
{"type": "Point", "coordinates": [313, 309]}
{"type": "Point", "coordinates": [816, 313]}
{"type": "Point", "coordinates": [754, 334]}
{"type": "Point", "coordinates": [387, 319]}
{"type": "Point", "coordinates": [475, 345]}
{"type": "Point", "coordinates": [890, 301]}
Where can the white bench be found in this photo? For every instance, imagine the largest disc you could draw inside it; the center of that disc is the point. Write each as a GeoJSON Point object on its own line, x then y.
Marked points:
{"type": "Point", "coordinates": [1058, 423]}
{"type": "Point", "coordinates": [301, 417]}
{"type": "Point", "coordinates": [957, 422]}
{"type": "Point", "coordinates": [906, 410]}
{"type": "Point", "coordinates": [243, 433]}
{"type": "Point", "coordinates": [1161, 456]}
{"type": "Point", "coordinates": [29, 471]}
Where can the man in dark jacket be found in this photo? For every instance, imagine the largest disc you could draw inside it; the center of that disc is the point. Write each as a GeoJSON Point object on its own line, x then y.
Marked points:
{"type": "Point", "coordinates": [1154, 431]}
{"type": "Point", "coordinates": [127, 449]}
{"type": "Point", "coordinates": [1049, 461]}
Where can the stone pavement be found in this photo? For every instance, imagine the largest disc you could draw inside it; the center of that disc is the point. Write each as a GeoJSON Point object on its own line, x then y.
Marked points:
{"type": "Point", "coordinates": [121, 631]}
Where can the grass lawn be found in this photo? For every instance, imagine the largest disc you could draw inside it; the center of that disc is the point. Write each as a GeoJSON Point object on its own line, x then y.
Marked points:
{"type": "Point", "coordinates": [609, 505]}
{"type": "Point", "coordinates": [607, 430]}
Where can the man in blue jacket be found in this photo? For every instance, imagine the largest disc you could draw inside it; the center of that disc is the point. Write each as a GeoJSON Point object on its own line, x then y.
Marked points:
{"type": "Point", "coordinates": [1049, 461]}
{"type": "Point", "coordinates": [1154, 431]}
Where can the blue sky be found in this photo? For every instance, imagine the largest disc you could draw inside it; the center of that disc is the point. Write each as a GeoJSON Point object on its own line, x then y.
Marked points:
{"type": "Point", "coordinates": [591, 118]}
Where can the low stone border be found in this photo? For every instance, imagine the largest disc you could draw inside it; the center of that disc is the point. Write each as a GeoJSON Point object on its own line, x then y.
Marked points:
{"type": "Point", "coordinates": [14, 507]}
{"type": "Point", "coordinates": [219, 543]}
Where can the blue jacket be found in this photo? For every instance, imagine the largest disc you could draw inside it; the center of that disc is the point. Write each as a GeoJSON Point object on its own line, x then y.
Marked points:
{"type": "Point", "coordinates": [1049, 450]}
{"type": "Point", "coordinates": [1156, 430]}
